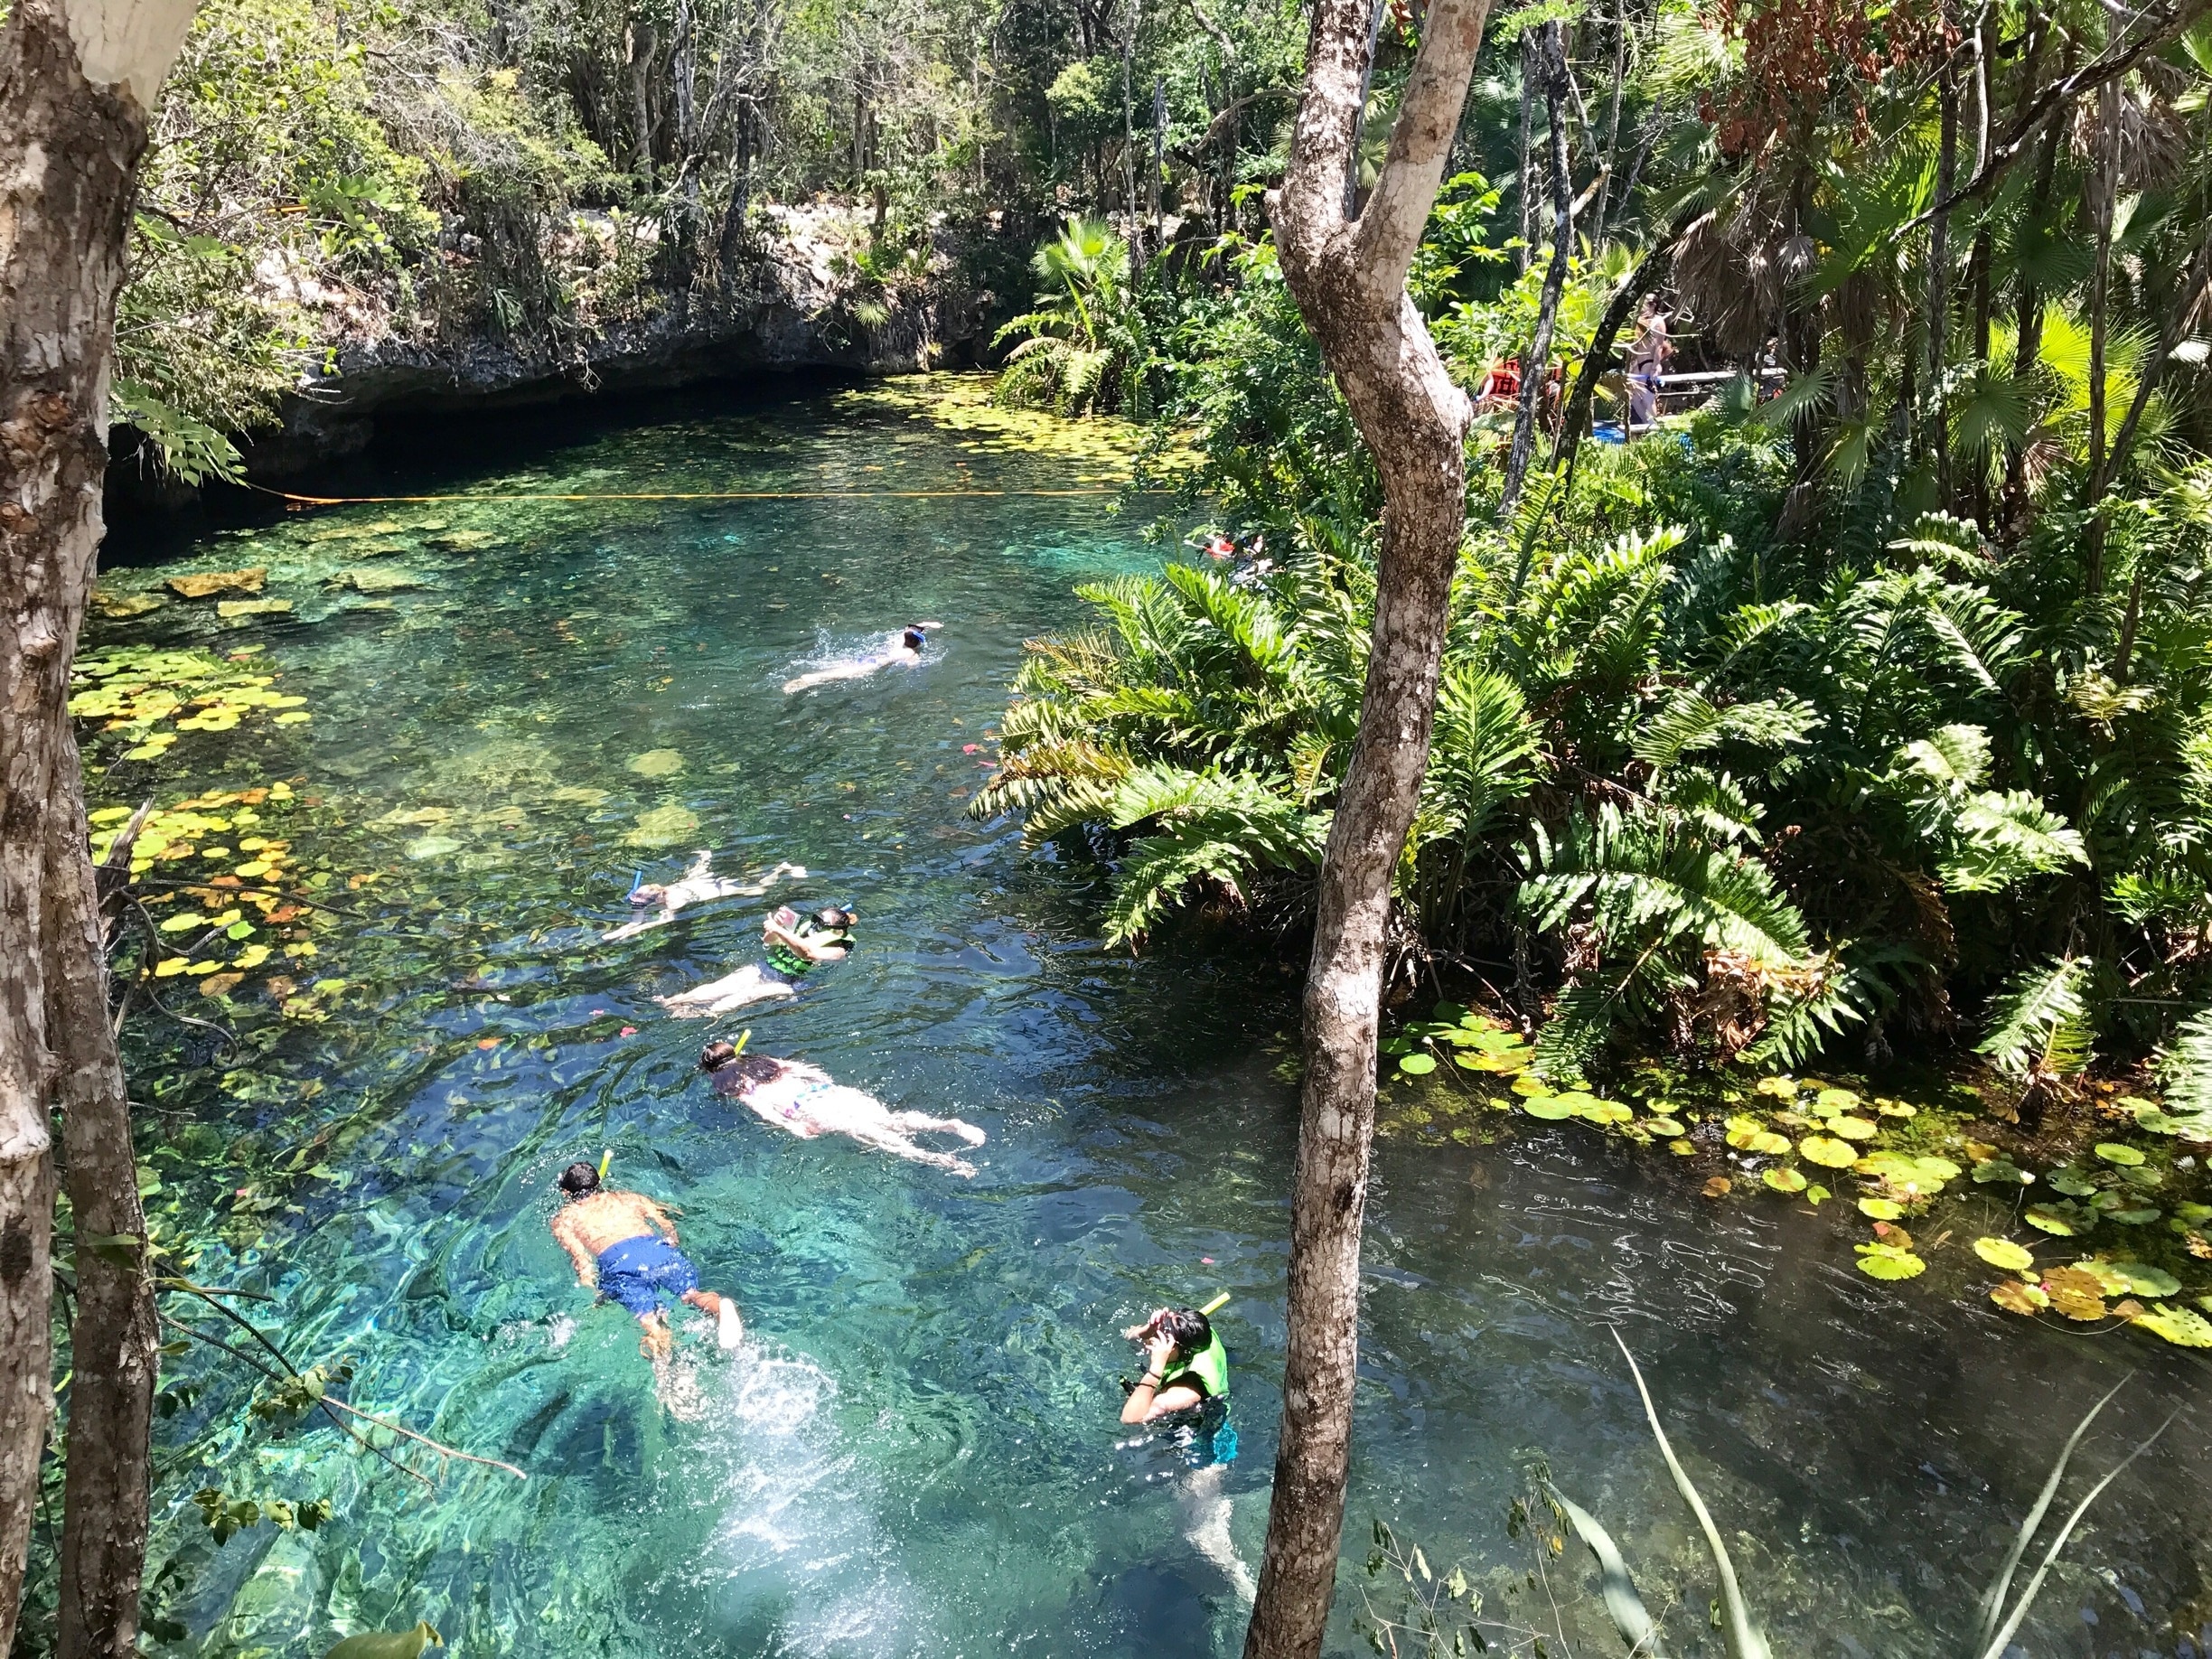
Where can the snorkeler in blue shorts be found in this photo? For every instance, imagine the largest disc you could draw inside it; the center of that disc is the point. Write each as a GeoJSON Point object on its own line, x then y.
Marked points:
{"type": "Point", "coordinates": [624, 1245]}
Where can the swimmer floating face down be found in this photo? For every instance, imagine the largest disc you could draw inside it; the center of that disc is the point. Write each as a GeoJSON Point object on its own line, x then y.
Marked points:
{"type": "Point", "coordinates": [804, 1101]}
{"type": "Point", "coordinates": [623, 1245]}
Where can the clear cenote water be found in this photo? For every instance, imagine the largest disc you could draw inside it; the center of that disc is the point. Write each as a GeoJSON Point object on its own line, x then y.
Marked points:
{"type": "Point", "coordinates": [915, 1452]}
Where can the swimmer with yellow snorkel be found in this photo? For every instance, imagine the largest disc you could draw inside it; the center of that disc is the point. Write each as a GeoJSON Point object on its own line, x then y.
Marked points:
{"type": "Point", "coordinates": [1186, 1365]}
{"type": "Point", "coordinates": [624, 1246]}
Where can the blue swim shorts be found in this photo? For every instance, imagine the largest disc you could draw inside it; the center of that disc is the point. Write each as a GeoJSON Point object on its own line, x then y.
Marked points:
{"type": "Point", "coordinates": [640, 1273]}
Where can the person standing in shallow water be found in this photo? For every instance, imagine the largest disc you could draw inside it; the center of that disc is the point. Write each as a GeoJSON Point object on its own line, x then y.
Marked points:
{"type": "Point", "coordinates": [624, 1246]}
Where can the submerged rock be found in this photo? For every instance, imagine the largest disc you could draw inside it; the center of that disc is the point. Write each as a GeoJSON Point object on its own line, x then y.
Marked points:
{"type": "Point", "coordinates": [206, 583]}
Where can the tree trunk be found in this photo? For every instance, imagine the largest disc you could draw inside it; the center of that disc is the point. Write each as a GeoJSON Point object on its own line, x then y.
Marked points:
{"type": "Point", "coordinates": [1348, 277]}
{"type": "Point", "coordinates": [1939, 275]}
{"type": "Point", "coordinates": [1650, 274]}
{"type": "Point", "coordinates": [1552, 56]}
{"type": "Point", "coordinates": [1527, 187]}
{"type": "Point", "coordinates": [1613, 114]}
{"type": "Point", "coordinates": [113, 1341]}
{"type": "Point", "coordinates": [75, 84]}
{"type": "Point", "coordinates": [2107, 189]}
{"type": "Point", "coordinates": [2027, 315]}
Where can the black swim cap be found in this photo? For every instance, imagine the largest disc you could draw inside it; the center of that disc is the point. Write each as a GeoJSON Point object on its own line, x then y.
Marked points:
{"type": "Point", "coordinates": [914, 639]}
{"type": "Point", "coordinates": [578, 1180]}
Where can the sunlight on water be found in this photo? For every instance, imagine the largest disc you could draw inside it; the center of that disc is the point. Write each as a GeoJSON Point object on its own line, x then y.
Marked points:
{"type": "Point", "coordinates": [517, 707]}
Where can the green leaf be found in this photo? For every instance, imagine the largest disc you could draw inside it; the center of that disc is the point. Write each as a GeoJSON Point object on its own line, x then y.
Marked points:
{"type": "Point", "coordinates": [1417, 1065]}
{"type": "Point", "coordinates": [1615, 1584]}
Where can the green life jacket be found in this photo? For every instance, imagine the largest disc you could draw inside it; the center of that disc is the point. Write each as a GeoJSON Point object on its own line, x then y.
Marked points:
{"type": "Point", "coordinates": [1208, 1369]}
{"type": "Point", "coordinates": [796, 964]}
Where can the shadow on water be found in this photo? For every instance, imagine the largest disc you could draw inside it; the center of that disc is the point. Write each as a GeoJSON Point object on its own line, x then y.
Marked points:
{"type": "Point", "coordinates": [916, 1450]}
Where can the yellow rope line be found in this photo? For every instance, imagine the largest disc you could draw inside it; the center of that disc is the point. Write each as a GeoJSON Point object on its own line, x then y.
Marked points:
{"type": "Point", "coordinates": [684, 495]}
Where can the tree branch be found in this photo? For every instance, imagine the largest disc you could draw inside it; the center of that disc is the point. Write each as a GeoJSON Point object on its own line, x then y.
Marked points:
{"type": "Point", "coordinates": [2065, 90]}
{"type": "Point", "coordinates": [1396, 212]}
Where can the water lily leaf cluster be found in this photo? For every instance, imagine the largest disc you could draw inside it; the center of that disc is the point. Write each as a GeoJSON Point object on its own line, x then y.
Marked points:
{"type": "Point", "coordinates": [146, 696]}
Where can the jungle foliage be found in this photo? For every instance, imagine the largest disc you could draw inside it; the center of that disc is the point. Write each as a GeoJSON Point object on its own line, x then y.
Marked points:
{"type": "Point", "coordinates": [438, 172]}
{"type": "Point", "coordinates": [1870, 712]}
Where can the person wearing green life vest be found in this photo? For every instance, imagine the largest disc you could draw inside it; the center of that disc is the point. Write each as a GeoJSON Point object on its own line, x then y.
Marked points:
{"type": "Point", "coordinates": [1185, 1365]}
{"type": "Point", "coordinates": [794, 946]}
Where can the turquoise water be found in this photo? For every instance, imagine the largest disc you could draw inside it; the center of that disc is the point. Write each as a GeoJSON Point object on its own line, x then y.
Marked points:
{"type": "Point", "coordinates": [916, 1452]}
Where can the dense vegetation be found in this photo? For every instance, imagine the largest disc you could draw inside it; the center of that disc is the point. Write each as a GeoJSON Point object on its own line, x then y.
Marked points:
{"type": "Point", "coordinates": [437, 171]}
{"type": "Point", "coordinates": [1871, 713]}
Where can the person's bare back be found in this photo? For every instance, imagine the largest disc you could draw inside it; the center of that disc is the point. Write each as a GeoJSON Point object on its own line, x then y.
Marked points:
{"type": "Point", "coordinates": [588, 1226]}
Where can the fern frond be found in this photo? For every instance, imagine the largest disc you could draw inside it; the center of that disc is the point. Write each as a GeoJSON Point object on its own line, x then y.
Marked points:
{"type": "Point", "coordinates": [2039, 1023]}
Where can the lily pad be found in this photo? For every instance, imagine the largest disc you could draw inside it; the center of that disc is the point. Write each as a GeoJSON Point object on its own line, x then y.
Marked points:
{"type": "Point", "coordinates": [1417, 1065]}
{"type": "Point", "coordinates": [2146, 1280]}
{"type": "Point", "coordinates": [2062, 1219]}
{"type": "Point", "coordinates": [1852, 1129]}
{"type": "Point", "coordinates": [2178, 1325]}
{"type": "Point", "coordinates": [657, 764]}
{"type": "Point", "coordinates": [2070, 1181]}
{"type": "Point", "coordinates": [1836, 1100]}
{"type": "Point", "coordinates": [2077, 1293]}
{"type": "Point", "coordinates": [1664, 1126]}
{"type": "Point", "coordinates": [1549, 1107]}
{"type": "Point", "coordinates": [2001, 1171]}
{"type": "Point", "coordinates": [2014, 1296]}
{"type": "Point", "coordinates": [1781, 1088]}
{"type": "Point", "coordinates": [1784, 1178]}
{"type": "Point", "coordinates": [1881, 1209]}
{"type": "Point", "coordinates": [2142, 1216]}
{"type": "Point", "coordinates": [1897, 1109]}
{"type": "Point", "coordinates": [1888, 1261]}
{"type": "Point", "coordinates": [2004, 1253]}
{"type": "Point", "coordinates": [1531, 1086]}
{"type": "Point", "coordinates": [1935, 1169]}
{"type": "Point", "coordinates": [1830, 1154]}
{"type": "Point", "coordinates": [2118, 1152]}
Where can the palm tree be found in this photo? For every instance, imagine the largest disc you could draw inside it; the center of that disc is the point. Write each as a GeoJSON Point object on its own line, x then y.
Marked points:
{"type": "Point", "coordinates": [1081, 345]}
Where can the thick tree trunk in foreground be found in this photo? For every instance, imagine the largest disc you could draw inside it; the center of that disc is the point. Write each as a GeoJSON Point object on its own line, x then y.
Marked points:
{"type": "Point", "coordinates": [76, 80]}
{"type": "Point", "coordinates": [1348, 276]}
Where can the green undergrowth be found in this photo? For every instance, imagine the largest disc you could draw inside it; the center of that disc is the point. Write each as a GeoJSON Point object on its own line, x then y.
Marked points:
{"type": "Point", "coordinates": [2105, 1218]}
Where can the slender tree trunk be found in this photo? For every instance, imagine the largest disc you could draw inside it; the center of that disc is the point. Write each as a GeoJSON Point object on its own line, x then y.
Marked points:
{"type": "Point", "coordinates": [112, 1341]}
{"type": "Point", "coordinates": [2107, 188]}
{"type": "Point", "coordinates": [75, 84]}
{"type": "Point", "coordinates": [1529, 74]}
{"type": "Point", "coordinates": [1649, 275]}
{"type": "Point", "coordinates": [2028, 315]}
{"type": "Point", "coordinates": [1613, 112]}
{"type": "Point", "coordinates": [642, 42]}
{"type": "Point", "coordinates": [1348, 277]}
{"type": "Point", "coordinates": [1552, 65]}
{"type": "Point", "coordinates": [1939, 277]}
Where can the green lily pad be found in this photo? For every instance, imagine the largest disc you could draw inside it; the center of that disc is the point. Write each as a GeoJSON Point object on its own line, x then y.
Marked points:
{"type": "Point", "coordinates": [2001, 1171]}
{"type": "Point", "coordinates": [1935, 1169]}
{"type": "Point", "coordinates": [1664, 1126]}
{"type": "Point", "coordinates": [1817, 1193]}
{"type": "Point", "coordinates": [1881, 1209]}
{"type": "Point", "coordinates": [2140, 1216]}
{"type": "Point", "coordinates": [2004, 1253]}
{"type": "Point", "coordinates": [1888, 1261]}
{"type": "Point", "coordinates": [2059, 1219]}
{"type": "Point", "coordinates": [1784, 1178]}
{"type": "Point", "coordinates": [1532, 1086]}
{"type": "Point", "coordinates": [1417, 1065]}
{"type": "Point", "coordinates": [2070, 1181]}
{"type": "Point", "coordinates": [2146, 1280]}
{"type": "Point", "coordinates": [1836, 1100]}
{"type": "Point", "coordinates": [1852, 1129]}
{"type": "Point", "coordinates": [1829, 1153]}
{"type": "Point", "coordinates": [2118, 1152]}
{"type": "Point", "coordinates": [1549, 1107]}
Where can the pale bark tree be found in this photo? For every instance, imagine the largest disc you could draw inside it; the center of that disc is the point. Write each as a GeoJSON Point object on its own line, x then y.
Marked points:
{"type": "Point", "coordinates": [77, 79]}
{"type": "Point", "coordinates": [1348, 276]}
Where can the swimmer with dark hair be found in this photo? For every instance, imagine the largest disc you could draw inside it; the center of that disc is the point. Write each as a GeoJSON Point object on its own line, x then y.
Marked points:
{"type": "Point", "coordinates": [901, 649]}
{"type": "Point", "coordinates": [802, 1099]}
{"type": "Point", "coordinates": [1186, 1365]}
{"type": "Point", "coordinates": [697, 885]}
{"type": "Point", "coordinates": [624, 1246]}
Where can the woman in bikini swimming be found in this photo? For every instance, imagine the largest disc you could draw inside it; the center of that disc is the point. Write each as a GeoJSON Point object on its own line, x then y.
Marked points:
{"type": "Point", "coordinates": [802, 1099]}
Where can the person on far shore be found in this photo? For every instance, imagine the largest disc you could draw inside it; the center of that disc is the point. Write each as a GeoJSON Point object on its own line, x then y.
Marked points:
{"type": "Point", "coordinates": [624, 1246]}
{"type": "Point", "coordinates": [901, 649]}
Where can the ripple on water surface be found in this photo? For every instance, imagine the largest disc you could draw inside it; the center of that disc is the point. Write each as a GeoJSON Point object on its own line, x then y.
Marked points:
{"type": "Point", "coordinates": [515, 706]}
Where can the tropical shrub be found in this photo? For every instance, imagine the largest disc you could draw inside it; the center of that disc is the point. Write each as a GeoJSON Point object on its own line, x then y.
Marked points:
{"type": "Point", "coordinates": [1081, 347]}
